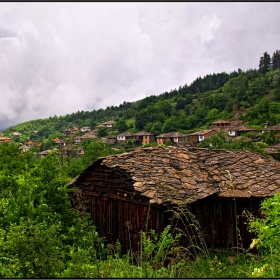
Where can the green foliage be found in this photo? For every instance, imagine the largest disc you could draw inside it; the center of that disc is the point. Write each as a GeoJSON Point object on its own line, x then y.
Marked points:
{"type": "Point", "coordinates": [276, 60]}
{"type": "Point", "coordinates": [97, 149]}
{"type": "Point", "coordinates": [264, 63]}
{"type": "Point", "coordinates": [102, 131]}
{"type": "Point", "coordinates": [170, 125]}
{"type": "Point", "coordinates": [267, 239]}
{"type": "Point", "coordinates": [121, 125]}
{"type": "Point", "coordinates": [153, 144]}
{"type": "Point", "coordinates": [267, 227]}
{"type": "Point", "coordinates": [40, 234]}
{"type": "Point", "coordinates": [236, 88]}
{"type": "Point", "coordinates": [141, 119]}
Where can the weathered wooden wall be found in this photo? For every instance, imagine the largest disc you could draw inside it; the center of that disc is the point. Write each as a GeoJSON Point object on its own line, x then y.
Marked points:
{"type": "Point", "coordinates": [119, 219]}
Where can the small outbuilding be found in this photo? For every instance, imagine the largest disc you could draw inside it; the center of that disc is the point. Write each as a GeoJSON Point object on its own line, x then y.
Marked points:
{"type": "Point", "coordinates": [131, 192]}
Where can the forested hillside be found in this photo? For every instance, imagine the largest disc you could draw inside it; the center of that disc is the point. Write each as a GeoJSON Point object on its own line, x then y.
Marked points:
{"type": "Point", "coordinates": [252, 95]}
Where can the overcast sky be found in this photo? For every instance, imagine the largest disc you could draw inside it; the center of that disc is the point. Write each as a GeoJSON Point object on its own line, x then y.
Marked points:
{"type": "Point", "coordinates": [58, 58]}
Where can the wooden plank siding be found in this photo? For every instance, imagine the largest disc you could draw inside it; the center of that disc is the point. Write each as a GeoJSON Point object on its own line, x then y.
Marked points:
{"type": "Point", "coordinates": [120, 220]}
{"type": "Point", "coordinates": [123, 220]}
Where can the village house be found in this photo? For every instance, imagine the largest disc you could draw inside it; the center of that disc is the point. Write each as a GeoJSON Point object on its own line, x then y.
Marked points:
{"type": "Point", "coordinates": [29, 143]}
{"type": "Point", "coordinates": [174, 137]}
{"type": "Point", "coordinates": [273, 150]}
{"type": "Point", "coordinates": [77, 139]}
{"type": "Point", "coordinates": [123, 137]}
{"type": "Point", "coordinates": [72, 151]}
{"type": "Point", "coordinates": [85, 128]}
{"type": "Point", "coordinates": [239, 130]}
{"type": "Point", "coordinates": [107, 124]}
{"type": "Point", "coordinates": [16, 134]}
{"type": "Point", "coordinates": [69, 132]}
{"type": "Point", "coordinates": [195, 137]}
{"type": "Point", "coordinates": [90, 134]}
{"type": "Point", "coordinates": [274, 128]}
{"type": "Point", "coordinates": [43, 153]}
{"type": "Point", "coordinates": [59, 142]}
{"type": "Point", "coordinates": [220, 125]}
{"type": "Point", "coordinates": [131, 192]}
{"type": "Point", "coordinates": [144, 137]}
{"type": "Point", "coordinates": [66, 132]}
{"type": "Point", "coordinates": [25, 148]}
{"type": "Point", "coordinates": [5, 139]}
{"type": "Point", "coordinates": [223, 125]}
{"type": "Point", "coordinates": [111, 140]}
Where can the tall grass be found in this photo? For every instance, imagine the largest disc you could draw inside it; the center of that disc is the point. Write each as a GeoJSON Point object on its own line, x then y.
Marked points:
{"type": "Point", "coordinates": [161, 254]}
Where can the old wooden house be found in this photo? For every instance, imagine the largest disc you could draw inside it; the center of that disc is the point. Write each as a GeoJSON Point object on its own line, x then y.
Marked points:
{"type": "Point", "coordinates": [174, 137]}
{"type": "Point", "coordinates": [16, 134]}
{"type": "Point", "coordinates": [43, 153]}
{"type": "Point", "coordinates": [25, 148]}
{"type": "Point", "coordinates": [274, 128]}
{"type": "Point", "coordinates": [108, 124]}
{"type": "Point", "coordinates": [240, 130]}
{"type": "Point", "coordinates": [144, 137]}
{"type": "Point", "coordinates": [123, 137]}
{"type": "Point", "coordinates": [223, 125]}
{"type": "Point", "coordinates": [29, 143]}
{"type": "Point", "coordinates": [69, 132]}
{"type": "Point", "coordinates": [85, 128]}
{"type": "Point", "coordinates": [273, 150]}
{"type": "Point", "coordinates": [90, 135]}
{"type": "Point", "coordinates": [196, 137]}
{"type": "Point", "coordinates": [5, 139]}
{"type": "Point", "coordinates": [131, 192]}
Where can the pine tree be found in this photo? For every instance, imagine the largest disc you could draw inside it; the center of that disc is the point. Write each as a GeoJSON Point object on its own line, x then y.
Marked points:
{"type": "Point", "coordinates": [276, 60]}
{"type": "Point", "coordinates": [265, 62]}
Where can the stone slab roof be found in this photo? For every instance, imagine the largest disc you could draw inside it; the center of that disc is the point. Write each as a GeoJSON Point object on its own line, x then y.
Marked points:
{"type": "Point", "coordinates": [172, 134]}
{"type": "Point", "coordinates": [202, 132]}
{"type": "Point", "coordinates": [143, 133]}
{"type": "Point", "coordinates": [127, 133]}
{"type": "Point", "coordinates": [183, 175]}
{"type": "Point", "coordinates": [90, 134]}
{"type": "Point", "coordinates": [273, 149]}
{"type": "Point", "coordinates": [243, 128]}
{"type": "Point", "coordinates": [46, 152]}
{"type": "Point", "coordinates": [221, 122]}
{"type": "Point", "coordinates": [274, 127]}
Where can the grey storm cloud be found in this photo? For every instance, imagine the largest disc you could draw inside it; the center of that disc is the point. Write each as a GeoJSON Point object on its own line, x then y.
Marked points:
{"type": "Point", "coordinates": [58, 58]}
